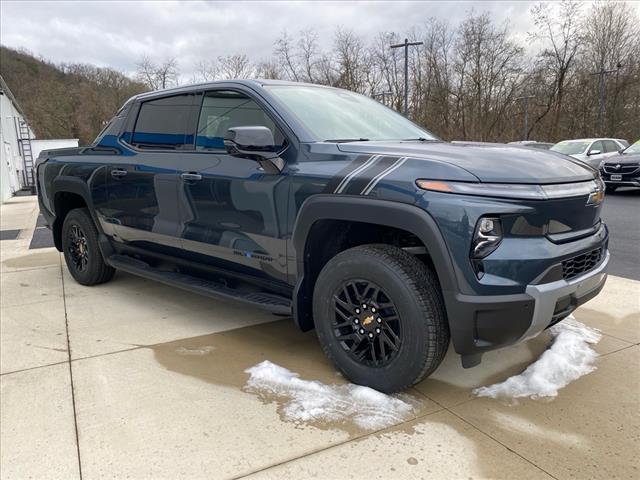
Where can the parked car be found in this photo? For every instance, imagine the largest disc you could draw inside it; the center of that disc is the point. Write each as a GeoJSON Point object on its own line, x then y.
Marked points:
{"type": "Point", "coordinates": [590, 150]}
{"type": "Point", "coordinates": [533, 144]}
{"type": "Point", "coordinates": [325, 205]}
{"type": "Point", "coordinates": [622, 170]}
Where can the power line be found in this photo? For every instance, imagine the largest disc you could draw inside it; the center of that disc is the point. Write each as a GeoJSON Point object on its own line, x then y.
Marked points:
{"type": "Point", "coordinates": [406, 46]}
{"type": "Point", "coordinates": [601, 74]}
{"type": "Point", "coordinates": [526, 99]}
{"type": "Point", "coordinates": [383, 95]}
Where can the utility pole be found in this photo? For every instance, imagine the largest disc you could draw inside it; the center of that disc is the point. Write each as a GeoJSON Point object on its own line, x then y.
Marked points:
{"type": "Point", "coordinates": [526, 99]}
{"type": "Point", "coordinates": [601, 74]}
{"type": "Point", "coordinates": [406, 46]}
{"type": "Point", "coordinates": [383, 95]}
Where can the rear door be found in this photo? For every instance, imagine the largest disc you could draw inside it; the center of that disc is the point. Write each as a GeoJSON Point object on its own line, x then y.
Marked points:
{"type": "Point", "coordinates": [233, 211]}
{"type": "Point", "coordinates": [143, 187]}
{"type": "Point", "coordinates": [611, 148]}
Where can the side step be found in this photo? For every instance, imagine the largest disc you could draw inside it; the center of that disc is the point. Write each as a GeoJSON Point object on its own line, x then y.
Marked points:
{"type": "Point", "coordinates": [266, 301]}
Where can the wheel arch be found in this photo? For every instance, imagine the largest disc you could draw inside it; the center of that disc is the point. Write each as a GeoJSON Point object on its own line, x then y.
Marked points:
{"type": "Point", "coordinates": [69, 193]}
{"type": "Point", "coordinates": [384, 213]}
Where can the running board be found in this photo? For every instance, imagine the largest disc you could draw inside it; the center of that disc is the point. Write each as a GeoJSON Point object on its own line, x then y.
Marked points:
{"type": "Point", "coordinates": [267, 301]}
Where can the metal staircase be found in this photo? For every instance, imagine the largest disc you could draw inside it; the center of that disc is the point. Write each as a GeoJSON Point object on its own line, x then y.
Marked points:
{"type": "Point", "coordinates": [24, 142]}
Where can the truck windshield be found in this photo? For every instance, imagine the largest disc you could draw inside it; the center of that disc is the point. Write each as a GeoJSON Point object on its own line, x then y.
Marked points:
{"type": "Point", "coordinates": [331, 114]}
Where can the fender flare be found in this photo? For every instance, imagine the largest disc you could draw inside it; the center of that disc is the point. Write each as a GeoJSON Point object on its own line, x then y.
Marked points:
{"type": "Point", "coordinates": [77, 186]}
{"type": "Point", "coordinates": [380, 212]}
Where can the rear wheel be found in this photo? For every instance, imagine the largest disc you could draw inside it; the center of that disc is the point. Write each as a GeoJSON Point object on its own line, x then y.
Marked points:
{"type": "Point", "coordinates": [81, 250]}
{"type": "Point", "coordinates": [380, 317]}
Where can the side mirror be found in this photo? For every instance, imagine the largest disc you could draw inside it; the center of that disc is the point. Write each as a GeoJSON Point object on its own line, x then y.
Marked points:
{"type": "Point", "coordinates": [255, 143]}
{"type": "Point", "coordinates": [594, 152]}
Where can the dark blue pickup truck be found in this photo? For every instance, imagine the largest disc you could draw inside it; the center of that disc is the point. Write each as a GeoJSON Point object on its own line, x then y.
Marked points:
{"type": "Point", "coordinates": [325, 205]}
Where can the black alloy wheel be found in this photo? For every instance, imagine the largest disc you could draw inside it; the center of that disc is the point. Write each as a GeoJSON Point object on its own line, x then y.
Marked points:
{"type": "Point", "coordinates": [367, 323]}
{"type": "Point", "coordinates": [380, 317]}
{"type": "Point", "coordinates": [78, 248]}
{"type": "Point", "coordinates": [81, 249]}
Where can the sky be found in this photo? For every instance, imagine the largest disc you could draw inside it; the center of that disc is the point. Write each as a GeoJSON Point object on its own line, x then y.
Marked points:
{"type": "Point", "coordinates": [118, 34]}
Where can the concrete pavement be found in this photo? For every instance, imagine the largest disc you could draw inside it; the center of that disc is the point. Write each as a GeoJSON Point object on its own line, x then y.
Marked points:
{"type": "Point", "coordinates": [136, 379]}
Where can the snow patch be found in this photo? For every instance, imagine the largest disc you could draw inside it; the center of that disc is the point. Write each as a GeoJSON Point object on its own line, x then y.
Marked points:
{"type": "Point", "coordinates": [313, 401]}
{"type": "Point", "coordinates": [568, 358]}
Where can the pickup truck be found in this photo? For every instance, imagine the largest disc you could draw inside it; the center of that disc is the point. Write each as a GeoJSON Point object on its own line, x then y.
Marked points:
{"type": "Point", "coordinates": [324, 205]}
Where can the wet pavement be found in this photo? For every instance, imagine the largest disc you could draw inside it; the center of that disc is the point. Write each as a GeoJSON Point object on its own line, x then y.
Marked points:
{"type": "Point", "coordinates": [135, 379]}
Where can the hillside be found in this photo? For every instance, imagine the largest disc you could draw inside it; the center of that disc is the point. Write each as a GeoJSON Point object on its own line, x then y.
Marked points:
{"type": "Point", "coordinates": [65, 101]}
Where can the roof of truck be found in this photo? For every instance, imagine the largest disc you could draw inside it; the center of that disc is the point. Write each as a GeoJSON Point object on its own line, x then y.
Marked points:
{"type": "Point", "coordinates": [200, 86]}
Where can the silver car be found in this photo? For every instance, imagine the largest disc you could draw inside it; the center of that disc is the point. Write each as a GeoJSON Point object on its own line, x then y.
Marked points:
{"type": "Point", "coordinates": [591, 150]}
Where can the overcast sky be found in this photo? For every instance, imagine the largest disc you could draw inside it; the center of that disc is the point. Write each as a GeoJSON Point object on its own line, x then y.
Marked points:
{"type": "Point", "coordinates": [118, 33]}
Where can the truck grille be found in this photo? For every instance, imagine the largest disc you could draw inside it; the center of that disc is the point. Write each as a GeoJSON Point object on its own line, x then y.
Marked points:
{"type": "Point", "coordinates": [579, 264]}
{"type": "Point", "coordinates": [611, 168]}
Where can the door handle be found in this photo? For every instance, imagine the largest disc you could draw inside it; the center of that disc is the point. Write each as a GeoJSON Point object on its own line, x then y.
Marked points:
{"type": "Point", "coordinates": [118, 173]}
{"type": "Point", "coordinates": [191, 176]}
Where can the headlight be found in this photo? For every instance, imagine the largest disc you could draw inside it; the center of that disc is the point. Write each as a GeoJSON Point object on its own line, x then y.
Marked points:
{"type": "Point", "coordinates": [486, 238]}
{"type": "Point", "coordinates": [512, 190]}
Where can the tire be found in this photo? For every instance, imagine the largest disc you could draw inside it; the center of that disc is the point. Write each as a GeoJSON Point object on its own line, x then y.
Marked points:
{"type": "Point", "coordinates": [406, 288]}
{"type": "Point", "coordinates": [81, 249]}
{"type": "Point", "coordinates": [610, 188]}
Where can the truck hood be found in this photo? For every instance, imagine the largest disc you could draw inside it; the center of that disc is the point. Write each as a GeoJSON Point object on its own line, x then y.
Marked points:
{"type": "Point", "coordinates": [490, 163]}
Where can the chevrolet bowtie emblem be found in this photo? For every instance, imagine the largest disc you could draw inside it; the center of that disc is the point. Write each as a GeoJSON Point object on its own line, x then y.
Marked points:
{"type": "Point", "coordinates": [367, 320]}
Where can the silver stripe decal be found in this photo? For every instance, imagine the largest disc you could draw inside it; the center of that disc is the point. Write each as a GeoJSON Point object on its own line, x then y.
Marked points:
{"type": "Point", "coordinates": [381, 175]}
{"type": "Point", "coordinates": [345, 181]}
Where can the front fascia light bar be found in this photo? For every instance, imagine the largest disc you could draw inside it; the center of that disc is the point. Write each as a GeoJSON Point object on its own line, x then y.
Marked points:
{"type": "Point", "coordinates": [514, 190]}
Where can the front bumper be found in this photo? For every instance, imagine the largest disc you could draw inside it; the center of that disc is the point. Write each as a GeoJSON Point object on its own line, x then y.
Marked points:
{"type": "Point", "coordinates": [558, 299]}
{"type": "Point", "coordinates": [482, 323]}
{"type": "Point", "coordinates": [623, 183]}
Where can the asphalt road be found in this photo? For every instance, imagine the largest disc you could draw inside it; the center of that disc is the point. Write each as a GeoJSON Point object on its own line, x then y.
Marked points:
{"type": "Point", "coordinates": [621, 213]}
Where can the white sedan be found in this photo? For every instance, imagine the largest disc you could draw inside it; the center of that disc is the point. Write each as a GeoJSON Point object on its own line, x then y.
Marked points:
{"type": "Point", "coordinates": [590, 150]}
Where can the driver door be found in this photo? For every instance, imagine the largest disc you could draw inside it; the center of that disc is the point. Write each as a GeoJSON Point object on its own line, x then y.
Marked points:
{"type": "Point", "coordinates": [233, 213]}
{"type": "Point", "coordinates": [594, 158]}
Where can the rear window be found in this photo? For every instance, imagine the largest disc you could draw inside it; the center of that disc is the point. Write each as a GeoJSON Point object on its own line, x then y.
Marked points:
{"type": "Point", "coordinates": [610, 146]}
{"type": "Point", "coordinates": [165, 123]}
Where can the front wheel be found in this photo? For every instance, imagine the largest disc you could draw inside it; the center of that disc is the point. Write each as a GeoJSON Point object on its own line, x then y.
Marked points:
{"type": "Point", "coordinates": [81, 250]}
{"type": "Point", "coordinates": [380, 317]}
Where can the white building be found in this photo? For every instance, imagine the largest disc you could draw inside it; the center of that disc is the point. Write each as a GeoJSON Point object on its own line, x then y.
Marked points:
{"type": "Point", "coordinates": [12, 121]}
{"type": "Point", "coordinates": [18, 147]}
{"type": "Point", "coordinates": [38, 146]}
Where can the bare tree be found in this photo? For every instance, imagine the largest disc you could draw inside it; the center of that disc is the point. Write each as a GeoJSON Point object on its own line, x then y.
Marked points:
{"type": "Point", "coordinates": [158, 75]}
{"type": "Point", "coordinates": [284, 51]}
{"type": "Point", "coordinates": [351, 60]}
{"type": "Point", "coordinates": [269, 69]}
{"type": "Point", "coordinates": [235, 66]}
{"type": "Point", "coordinates": [558, 27]}
{"type": "Point", "coordinates": [206, 71]}
{"type": "Point", "coordinates": [308, 54]}
{"type": "Point", "coordinates": [612, 41]}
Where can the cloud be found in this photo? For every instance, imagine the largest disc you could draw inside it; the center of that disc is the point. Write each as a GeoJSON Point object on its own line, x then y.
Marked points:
{"type": "Point", "coordinates": [118, 33]}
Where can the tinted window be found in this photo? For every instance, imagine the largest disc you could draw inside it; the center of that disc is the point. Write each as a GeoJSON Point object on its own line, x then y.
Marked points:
{"type": "Point", "coordinates": [223, 110]}
{"type": "Point", "coordinates": [610, 146]}
{"type": "Point", "coordinates": [596, 146]}
{"type": "Point", "coordinates": [165, 123]}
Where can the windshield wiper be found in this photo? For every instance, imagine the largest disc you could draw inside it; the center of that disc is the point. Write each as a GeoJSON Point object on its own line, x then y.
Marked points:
{"type": "Point", "coordinates": [420, 139]}
{"type": "Point", "coordinates": [346, 140]}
